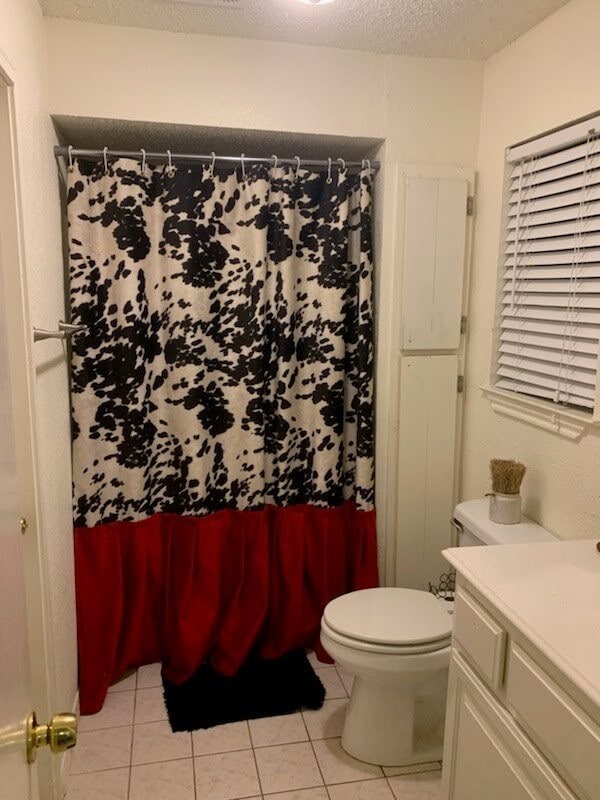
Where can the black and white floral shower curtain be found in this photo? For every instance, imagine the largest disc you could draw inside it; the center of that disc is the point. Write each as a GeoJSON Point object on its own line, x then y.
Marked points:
{"type": "Point", "coordinates": [227, 364]}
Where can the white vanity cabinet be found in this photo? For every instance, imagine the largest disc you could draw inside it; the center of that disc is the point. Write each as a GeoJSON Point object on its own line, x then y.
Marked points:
{"type": "Point", "coordinates": [523, 717]}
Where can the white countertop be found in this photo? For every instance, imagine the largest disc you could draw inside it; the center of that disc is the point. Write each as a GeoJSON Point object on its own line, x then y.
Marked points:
{"type": "Point", "coordinates": [549, 591]}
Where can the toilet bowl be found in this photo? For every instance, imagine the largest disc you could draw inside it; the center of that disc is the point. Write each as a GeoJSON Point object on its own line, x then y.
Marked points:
{"type": "Point", "coordinates": [396, 642]}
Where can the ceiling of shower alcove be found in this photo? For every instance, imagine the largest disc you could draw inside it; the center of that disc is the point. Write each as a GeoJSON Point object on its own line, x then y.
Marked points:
{"type": "Point", "coordinates": [93, 133]}
{"type": "Point", "coordinates": [444, 28]}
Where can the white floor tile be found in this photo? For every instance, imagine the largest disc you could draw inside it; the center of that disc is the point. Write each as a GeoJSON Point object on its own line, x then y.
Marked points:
{"type": "Point", "coordinates": [338, 767]}
{"type": "Point", "coordinates": [346, 678]}
{"type": "Point", "coordinates": [149, 705]}
{"type": "Point", "coordinates": [286, 767]}
{"type": "Point", "coordinates": [117, 710]}
{"type": "Point", "coordinates": [149, 676]}
{"type": "Point", "coordinates": [377, 789]}
{"type": "Point", "coordinates": [430, 766]}
{"type": "Point", "coordinates": [278, 730]}
{"type": "Point", "coordinates": [126, 683]}
{"type": "Point", "coordinates": [331, 681]}
{"type": "Point", "coordinates": [320, 793]}
{"type": "Point", "coordinates": [169, 780]}
{"type": "Point", "coordinates": [328, 721]}
{"type": "Point", "coordinates": [226, 776]}
{"type": "Point", "coordinates": [418, 786]}
{"type": "Point", "coordinates": [221, 739]}
{"type": "Point", "coordinates": [154, 741]}
{"type": "Point", "coordinates": [112, 784]}
{"type": "Point", "coordinates": [104, 749]}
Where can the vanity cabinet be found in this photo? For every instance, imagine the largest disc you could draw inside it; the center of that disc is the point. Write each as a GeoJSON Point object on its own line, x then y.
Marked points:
{"type": "Point", "coordinates": [516, 728]}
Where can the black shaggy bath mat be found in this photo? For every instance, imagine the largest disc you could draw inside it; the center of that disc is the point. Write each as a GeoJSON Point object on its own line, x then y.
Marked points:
{"type": "Point", "coordinates": [259, 689]}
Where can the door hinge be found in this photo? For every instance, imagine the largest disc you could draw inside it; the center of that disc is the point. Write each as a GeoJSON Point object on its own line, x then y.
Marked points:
{"type": "Point", "coordinates": [470, 205]}
{"type": "Point", "coordinates": [463, 324]}
{"type": "Point", "coordinates": [460, 384]}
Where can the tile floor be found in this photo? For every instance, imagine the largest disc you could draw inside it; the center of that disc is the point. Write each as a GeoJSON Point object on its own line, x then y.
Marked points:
{"type": "Point", "coordinates": [127, 752]}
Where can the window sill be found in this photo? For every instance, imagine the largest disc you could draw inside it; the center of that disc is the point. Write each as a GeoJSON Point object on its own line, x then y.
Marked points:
{"type": "Point", "coordinates": [564, 422]}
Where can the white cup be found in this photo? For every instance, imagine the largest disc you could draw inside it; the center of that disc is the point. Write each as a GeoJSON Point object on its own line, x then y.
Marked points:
{"type": "Point", "coordinates": [505, 508]}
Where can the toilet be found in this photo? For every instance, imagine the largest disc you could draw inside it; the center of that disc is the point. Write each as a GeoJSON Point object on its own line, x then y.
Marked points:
{"type": "Point", "coordinates": [396, 644]}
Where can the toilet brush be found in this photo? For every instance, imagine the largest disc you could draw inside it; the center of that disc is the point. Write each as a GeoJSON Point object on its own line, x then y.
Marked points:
{"type": "Point", "coordinates": [505, 497]}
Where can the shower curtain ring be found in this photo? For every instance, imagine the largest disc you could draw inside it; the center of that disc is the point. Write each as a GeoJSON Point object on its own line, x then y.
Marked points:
{"type": "Point", "coordinates": [143, 159]}
{"type": "Point", "coordinates": [297, 167]}
{"type": "Point", "coordinates": [211, 171]}
{"type": "Point", "coordinates": [70, 151]}
{"type": "Point", "coordinates": [367, 162]}
{"type": "Point", "coordinates": [243, 156]}
{"type": "Point", "coordinates": [105, 156]}
{"type": "Point", "coordinates": [343, 163]}
{"type": "Point", "coordinates": [329, 170]}
{"type": "Point", "coordinates": [170, 164]}
{"type": "Point", "coordinates": [275, 161]}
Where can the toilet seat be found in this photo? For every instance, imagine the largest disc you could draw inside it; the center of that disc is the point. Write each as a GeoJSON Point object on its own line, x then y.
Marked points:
{"type": "Point", "coordinates": [385, 649]}
{"type": "Point", "coordinates": [388, 620]}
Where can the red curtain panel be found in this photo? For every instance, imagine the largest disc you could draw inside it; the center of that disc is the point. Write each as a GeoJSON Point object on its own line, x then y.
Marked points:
{"type": "Point", "coordinates": [183, 590]}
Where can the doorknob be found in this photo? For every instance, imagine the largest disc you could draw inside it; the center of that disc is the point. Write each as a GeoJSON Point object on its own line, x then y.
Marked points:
{"type": "Point", "coordinates": [60, 734]}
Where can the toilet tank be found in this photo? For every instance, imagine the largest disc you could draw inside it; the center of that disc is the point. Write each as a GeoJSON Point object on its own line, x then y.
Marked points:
{"type": "Point", "coordinates": [474, 527]}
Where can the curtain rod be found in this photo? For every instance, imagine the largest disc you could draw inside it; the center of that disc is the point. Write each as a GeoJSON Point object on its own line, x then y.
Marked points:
{"type": "Point", "coordinates": [63, 152]}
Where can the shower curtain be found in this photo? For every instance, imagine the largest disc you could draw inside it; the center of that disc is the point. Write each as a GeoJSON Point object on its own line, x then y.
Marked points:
{"type": "Point", "coordinates": [222, 411]}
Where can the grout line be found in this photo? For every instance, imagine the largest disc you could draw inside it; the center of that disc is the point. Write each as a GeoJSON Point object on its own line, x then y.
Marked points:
{"type": "Point", "coordinates": [284, 744]}
{"type": "Point", "coordinates": [131, 746]}
{"type": "Point", "coordinates": [223, 752]}
{"type": "Point", "coordinates": [94, 771]}
{"type": "Point", "coordinates": [342, 682]}
{"type": "Point", "coordinates": [312, 747]}
{"type": "Point", "coordinates": [387, 780]}
{"type": "Point", "coordinates": [364, 779]}
{"type": "Point", "coordinates": [260, 786]}
{"type": "Point", "coordinates": [193, 764]}
{"type": "Point", "coordinates": [163, 761]}
{"type": "Point", "coordinates": [191, 735]}
{"type": "Point", "coordinates": [252, 745]}
{"type": "Point", "coordinates": [108, 728]}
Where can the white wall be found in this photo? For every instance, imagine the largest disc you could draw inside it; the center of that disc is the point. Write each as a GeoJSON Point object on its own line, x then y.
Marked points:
{"type": "Point", "coordinates": [543, 80]}
{"type": "Point", "coordinates": [429, 108]}
{"type": "Point", "coordinates": [23, 48]}
{"type": "Point", "coordinates": [426, 110]}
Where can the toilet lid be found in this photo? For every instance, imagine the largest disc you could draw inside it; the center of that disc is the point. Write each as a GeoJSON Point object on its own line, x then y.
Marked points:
{"type": "Point", "coordinates": [389, 616]}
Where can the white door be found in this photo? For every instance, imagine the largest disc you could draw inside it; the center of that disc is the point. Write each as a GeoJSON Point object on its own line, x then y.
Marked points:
{"type": "Point", "coordinates": [15, 685]}
{"type": "Point", "coordinates": [16, 779]}
{"type": "Point", "coordinates": [24, 653]}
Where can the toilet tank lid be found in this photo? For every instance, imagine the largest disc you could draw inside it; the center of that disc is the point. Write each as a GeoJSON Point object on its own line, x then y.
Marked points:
{"type": "Point", "coordinates": [474, 517]}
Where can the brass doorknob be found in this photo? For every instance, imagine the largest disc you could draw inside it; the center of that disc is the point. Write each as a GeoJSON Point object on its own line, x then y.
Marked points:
{"type": "Point", "coordinates": [60, 734]}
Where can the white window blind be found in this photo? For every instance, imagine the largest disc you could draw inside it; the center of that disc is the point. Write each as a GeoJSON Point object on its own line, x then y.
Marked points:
{"type": "Point", "coordinates": [550, 266]}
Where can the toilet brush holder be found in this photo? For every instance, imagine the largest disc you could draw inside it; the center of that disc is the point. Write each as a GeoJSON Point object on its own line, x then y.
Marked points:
{"type": "Point", "coordinates": [505, 508]}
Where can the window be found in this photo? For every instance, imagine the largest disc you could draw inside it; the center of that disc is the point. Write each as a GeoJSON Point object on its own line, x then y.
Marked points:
{"type": "Point", "coordinates": [549, 309]}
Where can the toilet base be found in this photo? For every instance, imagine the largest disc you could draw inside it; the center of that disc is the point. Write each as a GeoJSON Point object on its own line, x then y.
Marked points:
{"type": "Point", "coordinates": [393, 729]}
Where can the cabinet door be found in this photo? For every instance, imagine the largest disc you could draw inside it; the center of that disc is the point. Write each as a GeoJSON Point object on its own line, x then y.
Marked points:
{"type": "Point", "coordinates": [486, 755]}
{"type": "Point", "coordinates": [434, 262]}
{"type": "Point", "coordinates": [426, 464]}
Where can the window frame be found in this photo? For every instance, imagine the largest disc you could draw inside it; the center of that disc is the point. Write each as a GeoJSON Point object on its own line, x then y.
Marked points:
{"type": "Point", "coordinates": [567, 421]}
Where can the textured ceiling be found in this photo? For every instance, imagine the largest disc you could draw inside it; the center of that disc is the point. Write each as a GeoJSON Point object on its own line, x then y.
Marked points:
{"type": "Point", "coordinates": [444, 28]}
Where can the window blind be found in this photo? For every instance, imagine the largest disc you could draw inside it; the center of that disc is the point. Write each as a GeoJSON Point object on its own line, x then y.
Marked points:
{"type": "Point", "coordinates": [549, 320]}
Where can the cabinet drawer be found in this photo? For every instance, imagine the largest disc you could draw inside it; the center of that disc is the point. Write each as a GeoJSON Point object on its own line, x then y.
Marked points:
{"type": "Point", "coordinates": [480, 636]}
{"type": "Point", "coordinates": [560, 727]}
